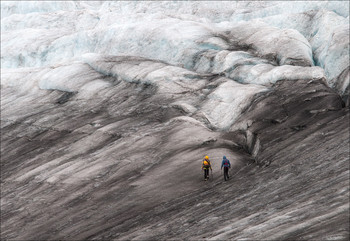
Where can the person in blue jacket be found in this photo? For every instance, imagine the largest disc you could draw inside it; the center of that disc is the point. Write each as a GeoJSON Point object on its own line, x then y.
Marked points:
{"type": "Point", "coordinates": [226, 165]}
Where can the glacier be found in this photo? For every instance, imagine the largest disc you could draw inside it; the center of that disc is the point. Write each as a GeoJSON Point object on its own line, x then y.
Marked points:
{"type": "Point", "coordinates": [107, 109]}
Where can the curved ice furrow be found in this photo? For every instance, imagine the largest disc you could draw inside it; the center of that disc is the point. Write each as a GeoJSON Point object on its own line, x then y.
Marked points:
{"type": "Point", "coordinates": [222, 106]}
{"type": "Point", "coordinates": [71, 77]}
{"type": "Point", "coordinates": [244, 68]}
{"type": "Point", "coordinates": [169, 79]}
{"type": "Point", "coordinates": [226, 61]}
{"type": "Point", "coordinates": [284, 45]}
{"type": "Point", "coordinates": [228, 101]}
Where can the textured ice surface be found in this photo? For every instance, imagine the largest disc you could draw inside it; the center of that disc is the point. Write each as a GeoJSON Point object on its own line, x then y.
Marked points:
{"type": "Point", "coordinates": [177, 46]}
{"type": "Point", "coordinates": [193, 35]}
{"type": "Point", "coordinates": [229, 99]}
{"type": "Point", "coordinates": [107, 109]}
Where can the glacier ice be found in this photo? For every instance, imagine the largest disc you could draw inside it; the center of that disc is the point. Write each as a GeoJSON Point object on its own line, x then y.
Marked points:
{"type": "Point", "coordinates": [177, 43]}
{"type": "Point", "coordinates": [195, 36]}
{"type": "Point", "coordinates": [286, 46]}
{"type": "Point", "coordinates": [210, 58]}
{"type": "Point", "coordinates": [70, 78]}
{"type": "Point", "coordinates": [229, 99]}
{"type": "Point", "coordinates": [104, 102]}
{"type": "Point", "coordinates": [167, 78]}
{"type": "Point", "coordinates": [328, 35]}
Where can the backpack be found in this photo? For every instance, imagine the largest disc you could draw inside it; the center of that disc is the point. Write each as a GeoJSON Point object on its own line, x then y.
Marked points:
{"type": "Point", "coordinates": [206, 164]}
{"type": "Point", "coordinates": [226, 163]}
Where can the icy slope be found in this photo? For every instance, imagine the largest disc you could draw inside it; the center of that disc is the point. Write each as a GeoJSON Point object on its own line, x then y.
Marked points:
{"type": "Point", "coordinates": [107, 109]}
{"type": "Point", "coordinates": [191, 35]}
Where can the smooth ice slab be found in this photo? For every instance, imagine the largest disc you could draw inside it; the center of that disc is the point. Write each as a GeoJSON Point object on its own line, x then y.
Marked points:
{"type": "Point", "coordinates": [228, 101]}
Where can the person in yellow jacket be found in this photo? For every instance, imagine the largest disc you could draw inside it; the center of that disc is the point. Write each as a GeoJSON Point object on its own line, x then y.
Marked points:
{"type": "Point", "coordinates": [206, 165]}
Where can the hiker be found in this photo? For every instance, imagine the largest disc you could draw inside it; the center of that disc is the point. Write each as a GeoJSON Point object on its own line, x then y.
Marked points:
{"type": "Point", "coordinates": [226, 164]}
{"type": "Point", "coordinates": [206, 165]}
